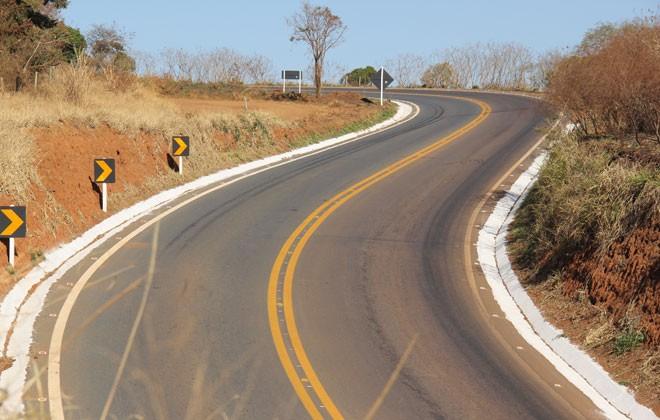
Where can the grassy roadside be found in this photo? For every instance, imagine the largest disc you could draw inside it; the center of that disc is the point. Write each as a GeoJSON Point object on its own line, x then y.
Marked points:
{"type": "Point", "coordinates": [50, 142]}
{"type": "Point", "coordinates": [586, 243]}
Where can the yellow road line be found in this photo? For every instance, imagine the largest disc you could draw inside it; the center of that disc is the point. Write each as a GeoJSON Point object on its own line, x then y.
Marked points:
{"type": "Point", "coordinates": [281, 317]}
{"type": "Point", "coordinates": [55, 401]}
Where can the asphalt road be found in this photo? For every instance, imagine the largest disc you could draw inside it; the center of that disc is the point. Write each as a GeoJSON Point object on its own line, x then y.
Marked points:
{"type": "Point", "coordinates": [387, 319]}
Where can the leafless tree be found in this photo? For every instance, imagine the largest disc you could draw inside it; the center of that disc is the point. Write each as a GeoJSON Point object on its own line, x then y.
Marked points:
{"type": "Point", "coordinates": [406, 69]}
{"type": "Point", "coordinates": [544, 66]}
{"type": "Point", "coordinates": [146, 64]}
{"type": "Point", "coordinates": [178, 64]}
{"type": "Point", "coordinates": [321, 30]}
{"type": "Point", "coordinates": [259, 69]}
{"type": "Point", "coordinates": [439, 75]}
{"type": "Point", "coordinates": [491, 65]}
{"type": "Point", "coordinates": [333, 72]}
{"type": "Point", "coordinates": [221, 65]}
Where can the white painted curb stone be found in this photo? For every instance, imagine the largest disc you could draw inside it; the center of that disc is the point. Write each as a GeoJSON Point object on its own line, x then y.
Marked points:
{"type": "Point", "coordinates": [613, 399]}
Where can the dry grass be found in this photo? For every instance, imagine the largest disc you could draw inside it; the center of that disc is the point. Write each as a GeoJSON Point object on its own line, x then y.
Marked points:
{"type": "Point", "coordinates": [73, 97]}
{"type": "Point", "coordinates": [585, 198]}
{"type": "Point", "coordinates": [17, 166]}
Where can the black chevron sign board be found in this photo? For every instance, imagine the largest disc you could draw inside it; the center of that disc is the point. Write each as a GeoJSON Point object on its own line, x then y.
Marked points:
{"type": "Point", "coordinates": [13, 222]}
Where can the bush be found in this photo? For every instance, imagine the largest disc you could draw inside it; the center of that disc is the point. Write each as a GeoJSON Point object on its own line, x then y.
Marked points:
{"type": "Point", "coordinates": [288, 96]}
{"type": "Point", "coordinates": [627, 340]}
{"type": "Point", "coordinates": [612, 88]}
{"type": "Point", "coordinates": [587, 196]}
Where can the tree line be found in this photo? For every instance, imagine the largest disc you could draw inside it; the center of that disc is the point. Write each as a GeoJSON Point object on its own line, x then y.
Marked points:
{"type": "Point", "coordinates": [500, 66]}
{"type": "Point", "coordinates": [220, 65]}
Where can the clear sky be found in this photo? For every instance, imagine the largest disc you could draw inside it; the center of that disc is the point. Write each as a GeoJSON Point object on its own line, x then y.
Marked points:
{"type": "Point", "coordinates": [376, 29]}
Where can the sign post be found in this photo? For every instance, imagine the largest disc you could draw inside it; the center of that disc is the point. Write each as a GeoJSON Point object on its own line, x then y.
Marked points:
{"type": "Point", "coordinates": [292, 75]}
{"type": "Point", "coordinates": [104, 173]}
{"type": "Point", "coordinates": [381, 79]}
{"type": "Point", "coordinates": [382, 73]}
{"type": "Point", "coordinates": [104, 197]}
{"type": "Point", "coordinates": [181, 148]}
{"type": "Point", "coordinates": [12, 225]}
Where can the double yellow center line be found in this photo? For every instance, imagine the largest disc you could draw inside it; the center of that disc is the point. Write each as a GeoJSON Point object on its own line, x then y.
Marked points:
{"type": "Point", "coordinates": [281, 317]}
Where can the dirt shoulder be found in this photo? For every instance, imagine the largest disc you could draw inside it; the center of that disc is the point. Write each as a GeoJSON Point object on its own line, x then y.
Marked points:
{"type": "Point", "coordinates": [54, 143]}
{"type": "Point", "coordinates": [590, 327]}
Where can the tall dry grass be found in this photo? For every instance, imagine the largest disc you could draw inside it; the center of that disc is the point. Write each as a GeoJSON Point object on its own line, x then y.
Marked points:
{"type": "Point", "coordinates": [587, 197]}
{"type": "Point", "coordinates": [17, 166]}
{"type": "Point", "coordinates": [75, 96]}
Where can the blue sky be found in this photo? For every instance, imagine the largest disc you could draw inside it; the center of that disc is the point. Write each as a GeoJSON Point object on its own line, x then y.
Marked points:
{"type": "Point", "coordinates": [377, 30]}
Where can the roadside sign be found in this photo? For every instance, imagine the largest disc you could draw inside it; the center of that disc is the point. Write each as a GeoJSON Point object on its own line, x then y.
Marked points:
{"type": "Point", "coordinates": [104, 174]}
{"type": "Point", "coordinates": [12, 222]}
{"type": "Point", "coordinates": [181, 146]}
{"type": "Point", "coordinates": [104, 171]}
{"type": "Point", "coordinates": [291, 75]}
{"type": "Point", "coordinates": [381, 79]}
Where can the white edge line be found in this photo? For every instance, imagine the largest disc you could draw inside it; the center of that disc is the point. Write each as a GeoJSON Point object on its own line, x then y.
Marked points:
{"type": "Point", "coordinates": [613, 399]}
{"type": "Point", "coordinates": [62, 258]}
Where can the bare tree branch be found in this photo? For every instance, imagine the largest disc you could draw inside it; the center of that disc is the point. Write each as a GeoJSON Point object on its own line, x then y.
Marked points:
{"type": "Point", "coordinates": [321, 30]}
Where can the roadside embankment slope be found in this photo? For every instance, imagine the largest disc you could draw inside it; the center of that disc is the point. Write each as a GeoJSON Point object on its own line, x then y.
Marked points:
{"type": "Point", "coordinates": [50, 145]}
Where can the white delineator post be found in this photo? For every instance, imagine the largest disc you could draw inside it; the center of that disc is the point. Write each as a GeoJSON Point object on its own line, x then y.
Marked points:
{"type": "Point", "coordinates": [104, 197]}
{"type": "Point", "coordinates": [12, 251]}
{"type": "Point", "coordinates": [284, 83]}
{"type": "Point", "coordinates": [299, 82]}
{"type": "Point", "coordinates": [180, 165]}
{"type": "Point", "coordinates": [382, 72]}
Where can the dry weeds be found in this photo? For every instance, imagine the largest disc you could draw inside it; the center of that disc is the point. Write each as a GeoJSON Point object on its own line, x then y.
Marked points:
{"type": "Point", "coordinates": [87, 104]}
{"type": "Point", "coordinates": [585, 198]}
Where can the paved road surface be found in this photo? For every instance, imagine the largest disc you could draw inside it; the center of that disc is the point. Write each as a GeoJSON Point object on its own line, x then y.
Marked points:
{"type": "Point", "coordinates": [388, 321]}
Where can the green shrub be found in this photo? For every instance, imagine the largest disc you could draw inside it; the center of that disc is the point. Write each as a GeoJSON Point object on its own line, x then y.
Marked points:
{"type": "Point", "coordinates": [627, 340]}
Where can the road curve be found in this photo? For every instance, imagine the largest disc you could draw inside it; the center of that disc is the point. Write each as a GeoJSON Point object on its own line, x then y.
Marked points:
{"type": "Point", "coordinates": [175, 324]}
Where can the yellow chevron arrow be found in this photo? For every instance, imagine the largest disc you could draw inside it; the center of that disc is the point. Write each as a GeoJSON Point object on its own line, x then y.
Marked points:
{"type": "Point", "coordinates": [182, 146]}
{"type": "Point", "coordinates": [107, 170]}
{"type": "Point", "coordinates": [15, 222]}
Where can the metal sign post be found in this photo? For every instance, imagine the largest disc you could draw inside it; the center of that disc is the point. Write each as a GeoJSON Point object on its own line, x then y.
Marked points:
{"type": "Point", "coordinates": [382, 72]}
{"type": "Point", "coordinates": [104, 173]}
{"type": "Point", "coordinates": [12, 225]}
{"type": "Point", "coordinates": [181, 148]}
{"type": "Point", "coordinates": [291, 75]}
{"type": "Point", "coordinates": [12, 252]}
{"type": "Point", "coordinates": [104, 197]}
{"type": "Point", "coordinates": [381, 79]}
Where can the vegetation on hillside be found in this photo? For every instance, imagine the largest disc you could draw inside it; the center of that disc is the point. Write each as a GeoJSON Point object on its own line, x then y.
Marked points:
{"type": "Point", "coordinates": [33, 39]}
{"type": "Point", "coordinates": [611, 87]}
{"type": "Point", "coordinates": [592, 220]}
